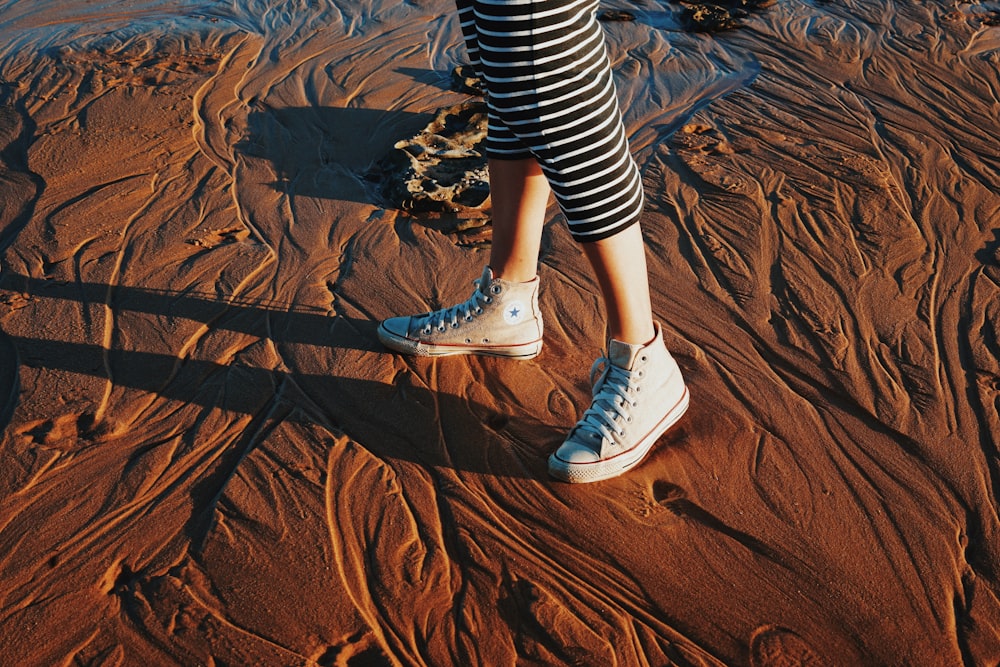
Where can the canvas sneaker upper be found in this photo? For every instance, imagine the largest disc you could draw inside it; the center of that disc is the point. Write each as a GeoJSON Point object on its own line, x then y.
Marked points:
{"type": "Point", "coordinates": [500, 318]}
{"type": "Point", "coordinates": [638, 394]}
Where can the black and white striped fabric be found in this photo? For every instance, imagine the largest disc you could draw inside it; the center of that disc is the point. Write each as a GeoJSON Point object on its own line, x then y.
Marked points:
{"type": "Point", "coordinates": [551, 96]}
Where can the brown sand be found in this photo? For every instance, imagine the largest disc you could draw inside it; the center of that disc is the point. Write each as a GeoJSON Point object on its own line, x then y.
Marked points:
{"type": "Point", "coordinates": [209, 460]}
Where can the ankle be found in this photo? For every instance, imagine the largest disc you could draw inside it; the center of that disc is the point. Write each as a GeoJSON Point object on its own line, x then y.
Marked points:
{"type": "Point", "coordinates": [515, 272]}
{"type": "Point", "coordinates": [634, 335]}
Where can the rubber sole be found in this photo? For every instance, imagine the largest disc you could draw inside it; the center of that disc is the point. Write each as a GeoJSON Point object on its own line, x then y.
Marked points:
{"type": "Point", "coordinates": [418, 348]}
{"type": "Point", "coordinates": [578, 473]}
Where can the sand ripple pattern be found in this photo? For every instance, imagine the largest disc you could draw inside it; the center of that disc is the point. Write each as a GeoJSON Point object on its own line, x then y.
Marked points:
{"type": "Point", "coordinates": [207, 458]}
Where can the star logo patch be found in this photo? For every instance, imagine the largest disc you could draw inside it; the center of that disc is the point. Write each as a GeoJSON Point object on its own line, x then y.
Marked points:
{"type": "Point", "coordinates": [514, 312]}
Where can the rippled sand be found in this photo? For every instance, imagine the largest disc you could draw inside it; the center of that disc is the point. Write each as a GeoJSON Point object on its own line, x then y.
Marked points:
{"type": "Point", "coordinates": [209, 459]}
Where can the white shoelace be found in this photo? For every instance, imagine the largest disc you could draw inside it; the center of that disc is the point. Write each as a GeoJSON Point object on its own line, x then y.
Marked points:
{"type": "Point", "coordinates": [468, 309]}
{"type": "Point", "coordinates": [611, 398]}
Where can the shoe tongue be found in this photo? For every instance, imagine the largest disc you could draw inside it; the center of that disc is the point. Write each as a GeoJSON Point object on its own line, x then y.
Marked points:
{"type": "Point", "coordinates": [622, 354]}
{"type": "Point", "coordinates": [485, 280]}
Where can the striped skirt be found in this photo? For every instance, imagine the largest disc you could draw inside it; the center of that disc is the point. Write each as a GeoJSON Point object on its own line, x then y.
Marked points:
{"type": "Point", "coordinates": [551, 96]}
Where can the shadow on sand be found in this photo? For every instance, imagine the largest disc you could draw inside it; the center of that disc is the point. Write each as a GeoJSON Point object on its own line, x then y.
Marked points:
{"type": "Point", "coordinates": [401, 419]}
{"type": "Point", "coordinates": [319, 151]}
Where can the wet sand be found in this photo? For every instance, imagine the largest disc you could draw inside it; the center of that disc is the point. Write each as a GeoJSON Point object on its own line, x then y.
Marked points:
{"type": "Point", "coordinates": [208, 459]}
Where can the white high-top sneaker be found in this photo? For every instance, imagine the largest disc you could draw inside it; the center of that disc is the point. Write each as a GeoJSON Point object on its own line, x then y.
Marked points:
{"type": "Point", "coordinates": [639, 394]}
{"type": "Point", "coordinates": [500, 319]}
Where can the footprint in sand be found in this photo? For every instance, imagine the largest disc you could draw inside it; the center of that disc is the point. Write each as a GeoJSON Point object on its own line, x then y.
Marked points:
{"type": "Point", "coordinates": [669, 495]}
{"type": "Point", "coordinates": [773, 646]}
{"type": "Point", "coordinates": [216, 237]}
{"type": "Point", "coordinates": [990, 257]}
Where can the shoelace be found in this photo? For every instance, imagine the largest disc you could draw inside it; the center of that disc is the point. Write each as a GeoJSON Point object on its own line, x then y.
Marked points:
{"type": "Point", "coordinates": [471, 307]}
{"type": "Point", "coordinates": [611, 398]}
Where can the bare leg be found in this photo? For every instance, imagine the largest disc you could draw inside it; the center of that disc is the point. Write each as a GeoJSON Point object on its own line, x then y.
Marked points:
{"type": "Point", "coordinates": [619, 263]}
{"type": "Point", "coordinates": [520, 196]}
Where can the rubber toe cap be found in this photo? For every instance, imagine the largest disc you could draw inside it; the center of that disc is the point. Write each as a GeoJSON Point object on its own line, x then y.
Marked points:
{"type": "Point", "coordinates": [397, 326]}
{"type": "Point", "coordinates": [573, 451]}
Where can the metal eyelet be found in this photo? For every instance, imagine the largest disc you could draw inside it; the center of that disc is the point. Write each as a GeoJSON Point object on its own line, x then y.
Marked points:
{"type": "Point", "coordinates": [441, 328]}
{"type": "Point", "coordinates": [454, 325]}
{"type": "Point", "coordinates": [496, 289]}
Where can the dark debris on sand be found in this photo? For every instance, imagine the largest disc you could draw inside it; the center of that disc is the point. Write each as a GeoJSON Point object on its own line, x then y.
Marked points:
{"type": "Point", "coordinates": [465, 80]}
{"type": "Point", "coordinates": [718, 15]}
{"type": "Point", "coordinates": [991, 18]}
{"type": "Point", "coordinates": [615, 15]}
{"type": "Point", "coordinates": [439, 175]}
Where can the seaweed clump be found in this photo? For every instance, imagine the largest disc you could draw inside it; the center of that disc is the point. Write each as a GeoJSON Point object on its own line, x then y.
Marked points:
{"type": "Point", "coordinates": [440, 174]}
{"type": "Point", "coordinates": [718, 15]}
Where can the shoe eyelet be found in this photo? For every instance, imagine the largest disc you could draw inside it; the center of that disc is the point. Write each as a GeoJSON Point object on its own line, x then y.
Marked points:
{"type": "Point", "coordinates": [454, 325]}
{"type": "Point", "coordinates": [643, 358]}
{"type": "Point", "coordinates": [468, 318]}
{"type": "Point", "coordinates": [496, 289]}
{"type": "Point", "coordinates": [468, 341]}
{"type": "Point", "coordinates": [426, 332]}
{"type": "Point", "coordinates": [441, 328]}
{"type": "Point", "coordinates": [486, 340]}
{"type": "Point", "coordinates": [479, 311]}
{"type": "Point", "coordinates": [488, 299]}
